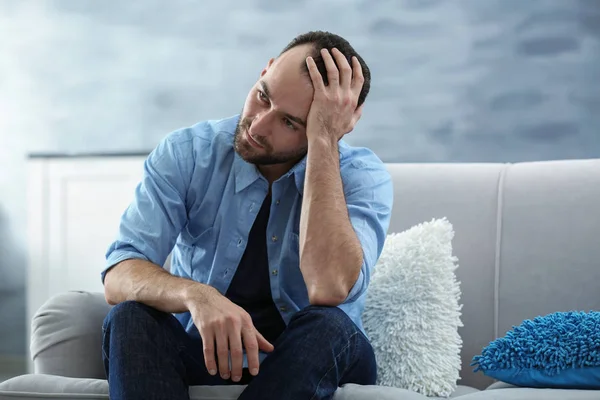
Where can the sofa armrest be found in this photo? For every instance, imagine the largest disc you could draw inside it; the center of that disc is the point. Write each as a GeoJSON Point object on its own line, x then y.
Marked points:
{"type": "Point", "coordinates": [66, 336]}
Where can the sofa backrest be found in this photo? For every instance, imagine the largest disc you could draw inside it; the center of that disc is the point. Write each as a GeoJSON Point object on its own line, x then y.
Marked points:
{"type": "Point", "coordinates": [527, 238]}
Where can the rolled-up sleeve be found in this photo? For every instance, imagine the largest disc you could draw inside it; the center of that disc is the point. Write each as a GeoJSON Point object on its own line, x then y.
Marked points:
{"type": "Point", "coordinates": [369, 196]}
{"type": "Point", "coordinates": [151, 223]}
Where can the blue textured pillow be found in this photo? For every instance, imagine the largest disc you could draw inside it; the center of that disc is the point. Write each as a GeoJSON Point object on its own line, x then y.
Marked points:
{"type": "Point", "coordinates": [559, 350]}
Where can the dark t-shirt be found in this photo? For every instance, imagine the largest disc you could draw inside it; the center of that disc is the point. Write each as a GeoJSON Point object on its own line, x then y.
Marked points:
{"type": "Point", "coordinates": [251, 287]}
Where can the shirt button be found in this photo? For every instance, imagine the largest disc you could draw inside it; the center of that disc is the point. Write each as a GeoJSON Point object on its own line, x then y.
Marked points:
{"type": "Point", "coordinates": [282, 309]}
{"type": "Point", "coordinates": [277, 202]}
{"type": "Point", "coordinates": [275, 272]}
{"type": "Point", "coordinates": [274, 238]}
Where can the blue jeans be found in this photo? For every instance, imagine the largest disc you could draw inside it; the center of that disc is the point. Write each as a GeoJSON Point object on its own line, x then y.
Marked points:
{"type": "Point", "coordinates": [148, 355]}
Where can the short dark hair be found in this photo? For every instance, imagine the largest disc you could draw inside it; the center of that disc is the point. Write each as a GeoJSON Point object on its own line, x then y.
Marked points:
{"type": "Point", "coordinates": [326, 40]}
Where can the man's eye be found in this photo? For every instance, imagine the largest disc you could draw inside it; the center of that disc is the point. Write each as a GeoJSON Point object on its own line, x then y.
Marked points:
{"type": "Point", "coordinates": [289, 123]}
{"type": "Point", "coordinates": [263, 96]}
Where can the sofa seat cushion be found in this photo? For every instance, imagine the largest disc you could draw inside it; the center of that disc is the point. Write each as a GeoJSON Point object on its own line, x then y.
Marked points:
{"type": "Point", "coordinates": [39, 386]}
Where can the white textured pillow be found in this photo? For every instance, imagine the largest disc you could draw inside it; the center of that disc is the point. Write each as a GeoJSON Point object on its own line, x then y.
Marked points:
{"type": "Point", "coordinates": [412, 311]}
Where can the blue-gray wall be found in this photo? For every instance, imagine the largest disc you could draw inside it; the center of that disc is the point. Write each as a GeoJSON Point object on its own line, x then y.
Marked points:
{"type": "Point", "coordinates": [455, 80]}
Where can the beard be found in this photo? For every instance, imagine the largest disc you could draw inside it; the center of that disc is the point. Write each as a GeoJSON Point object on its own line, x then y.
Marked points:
{"type": "Point", "coordinates": [266, 155]}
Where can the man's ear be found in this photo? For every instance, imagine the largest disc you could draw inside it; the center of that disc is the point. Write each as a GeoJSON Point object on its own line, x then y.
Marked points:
{"type": "Point", "coordinates": [264, 71]}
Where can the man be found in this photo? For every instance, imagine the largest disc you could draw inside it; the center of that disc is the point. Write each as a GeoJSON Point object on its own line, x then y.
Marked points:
{"type": "Point", "coordinates": [274, 225]}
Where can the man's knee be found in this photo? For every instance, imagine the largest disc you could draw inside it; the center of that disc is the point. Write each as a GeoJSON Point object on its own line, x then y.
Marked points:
{"type": "Point", "coordinates": [128, 312]}
{"type": "Point", "coordinates": [328, 321]}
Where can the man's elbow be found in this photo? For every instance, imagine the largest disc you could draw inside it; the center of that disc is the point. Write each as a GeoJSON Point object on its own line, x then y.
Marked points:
{"type": "Point", "coordinates": [110, 281]}
{"type": "Point", "coordinates": [109, 295]}
{"type": "Point", "coordinates": [330, 297]}
{"type": "Point", "coordinates": [331, 291]}
{"type": "Point", "coordinates": [109, 299]}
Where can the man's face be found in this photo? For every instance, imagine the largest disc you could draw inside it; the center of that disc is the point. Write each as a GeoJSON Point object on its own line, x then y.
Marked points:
{"type": "Point", "coordinates": [272, 126]}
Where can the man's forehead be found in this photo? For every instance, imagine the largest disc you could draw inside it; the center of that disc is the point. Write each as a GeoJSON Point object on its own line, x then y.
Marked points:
{"type": "Point", "coordinates": [297, 54]}
{"type": "Point", "coordinates": [288, 77]}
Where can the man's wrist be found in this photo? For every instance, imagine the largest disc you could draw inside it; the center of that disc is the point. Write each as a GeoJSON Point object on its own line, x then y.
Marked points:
{"type": "Point", "coordinates": [194, 293]}
{"type": "Point", "coordinates": [323, 140]}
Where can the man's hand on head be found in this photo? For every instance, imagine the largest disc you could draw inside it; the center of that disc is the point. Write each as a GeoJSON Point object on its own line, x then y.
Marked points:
{"type": "Point", "coordinates": [334, 112]}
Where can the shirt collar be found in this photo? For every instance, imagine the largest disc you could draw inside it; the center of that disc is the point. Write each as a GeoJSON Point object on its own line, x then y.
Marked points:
{"type": "Point", "coordinates": [247, 173]}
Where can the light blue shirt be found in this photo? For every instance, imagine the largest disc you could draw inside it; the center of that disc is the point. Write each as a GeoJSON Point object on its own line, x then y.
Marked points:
{"type": "Point", "coordinates": [198, 200]}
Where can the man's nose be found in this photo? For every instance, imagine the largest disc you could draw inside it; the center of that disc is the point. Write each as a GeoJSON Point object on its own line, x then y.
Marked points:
{"type": "Point", "coordinates": [261, 124]}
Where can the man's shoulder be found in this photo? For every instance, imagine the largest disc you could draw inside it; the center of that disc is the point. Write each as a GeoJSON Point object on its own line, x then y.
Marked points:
{"type": "Point", "coordinates": [365, 174]}
{"type": "Point", "coordinates": [205, 134]}
{"type": "Point", "coordinates": [358, 157]}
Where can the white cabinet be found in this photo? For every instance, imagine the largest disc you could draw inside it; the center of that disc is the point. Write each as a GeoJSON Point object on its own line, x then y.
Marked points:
{"type": "Point", "coordinates": [74, 208]}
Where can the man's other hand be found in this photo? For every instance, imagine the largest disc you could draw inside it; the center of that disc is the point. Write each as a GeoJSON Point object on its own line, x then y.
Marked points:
{"type": "Point", "coordinates": [226, 327]}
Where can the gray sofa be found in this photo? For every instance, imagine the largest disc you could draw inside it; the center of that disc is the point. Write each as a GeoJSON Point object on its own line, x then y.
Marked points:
{"type": "Point", "coordinates": [527, 239]}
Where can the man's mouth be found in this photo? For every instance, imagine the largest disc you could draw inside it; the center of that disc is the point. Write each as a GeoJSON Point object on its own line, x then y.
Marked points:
{"type": "Point", "coordinates": [251, 140]}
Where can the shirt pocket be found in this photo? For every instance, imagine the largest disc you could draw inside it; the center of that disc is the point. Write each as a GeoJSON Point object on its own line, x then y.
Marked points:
{"type": "Point", "coordinates": [196, 233]}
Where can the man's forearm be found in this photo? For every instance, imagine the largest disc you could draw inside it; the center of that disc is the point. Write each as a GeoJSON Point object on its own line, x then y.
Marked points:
{"type": "Point", "coordinates": [330, 252]}
{"type": "Point", "coordinates": [147, 283]}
